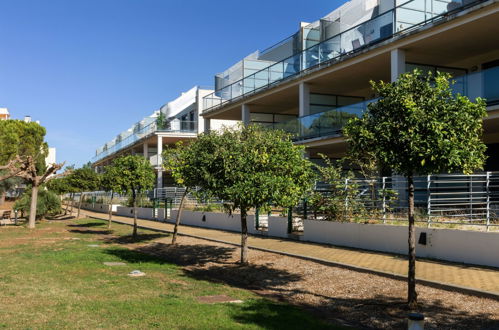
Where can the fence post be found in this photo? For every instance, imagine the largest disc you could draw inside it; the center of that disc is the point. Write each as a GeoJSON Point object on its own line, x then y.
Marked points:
{"type": "Point", "coordinates": [290, 220]}
{"type": "Point", "coordinates": [471, 198]}
{"type": "Point", "coordinates": [383, 187]}
{"type": "Point", "coordinates": [428, 193]}
{"type": "Point", "coordinates": [346, 199]}
{"type": "Point", "coordinates": [488, 201]}
{"type": "Point", "coordinates": [305, 209]}
{"type": "Point", "coordinates": [257, 218]}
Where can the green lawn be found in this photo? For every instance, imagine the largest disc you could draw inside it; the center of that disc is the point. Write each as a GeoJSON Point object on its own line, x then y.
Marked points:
{"type": "Point", "coordinates": [49, 279]}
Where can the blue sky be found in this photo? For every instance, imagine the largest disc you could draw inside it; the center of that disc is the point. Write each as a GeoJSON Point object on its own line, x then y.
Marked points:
{"type": "Point", "coordinates": [88, 69]}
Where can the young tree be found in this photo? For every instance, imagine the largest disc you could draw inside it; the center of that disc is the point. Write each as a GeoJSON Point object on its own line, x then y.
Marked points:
{"type": "Point", "coordinates": [418, 127]}
{"type": "Point", "coordinates": [185, 163]}
{"type": "Point", "coordinates": [109, 182]}
{"type": "Point", "coordinates": [134, 176]}
{"type": "Point", "coordinates": [251, 167]}
{"type": "Point", "coordinates": [82, 180]}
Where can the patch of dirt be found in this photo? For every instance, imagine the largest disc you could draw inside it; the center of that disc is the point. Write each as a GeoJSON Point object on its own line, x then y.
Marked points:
{"type": "Point", "coordinates": [333, 293]}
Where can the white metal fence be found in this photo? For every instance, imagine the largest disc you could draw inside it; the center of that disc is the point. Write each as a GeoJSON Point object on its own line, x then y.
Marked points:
{"type": "Point", "coordinates": [451, 199]}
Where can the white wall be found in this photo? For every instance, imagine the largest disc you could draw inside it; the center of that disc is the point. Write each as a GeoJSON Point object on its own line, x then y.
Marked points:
{"type": "Point", "coordinates": [471, 247]}
{"type": "Point", "coordinates": [278, 227]}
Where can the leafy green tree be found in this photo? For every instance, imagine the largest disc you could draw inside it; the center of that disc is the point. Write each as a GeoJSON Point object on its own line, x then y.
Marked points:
{"type": "Point", "coordinates": [110, 183]}
{"type": "Point", "coordinates": [83, 179]}
{"type": "Point", "coordinates": [48, 203]}
{"type": "Point", "coordinates": [418, 127]}
{"type": "Point", "coordinates": [19, 138]}
{"type": "Point", "coordinates": [251, 167]}
{"type": "Point", "coordinates": [23, 155]}
{"type": "Point", "coordinates": [135, 175]}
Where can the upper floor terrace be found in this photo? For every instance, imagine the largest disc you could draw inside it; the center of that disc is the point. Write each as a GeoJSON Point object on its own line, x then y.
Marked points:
{"type": "Point", "coordinates": [391, 21]}
{"type": "Point", "coordinates": [174, 121]}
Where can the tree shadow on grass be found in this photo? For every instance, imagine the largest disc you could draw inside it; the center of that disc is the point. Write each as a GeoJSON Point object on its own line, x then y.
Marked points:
{"type": "Point", "coordinates": [60, 217]}
{"type": "Point", "coordinates": [129, 239]}
{"type": "Point", "coordinates": [275, 316]}
{"type": "Point", "coordinates": [87, 225]}
{"type": "Point", "coordinates": [182, 255]}
{"type": "Point", "coordinates": [250, 277]}
{"type": "Point", "coordinates": [91, 232]}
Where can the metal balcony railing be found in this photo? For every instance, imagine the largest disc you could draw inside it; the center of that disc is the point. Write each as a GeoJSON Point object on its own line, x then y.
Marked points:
{"type": "Point", "coordinates": [170, 127]}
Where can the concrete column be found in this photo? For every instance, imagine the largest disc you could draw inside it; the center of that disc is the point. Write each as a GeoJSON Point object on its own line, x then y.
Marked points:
{"type": "Point", "coordinates": [304, 100]}
{"type": "Point", "coordinates": [397, 57]}
{"type": "Point", "coordinates": [160, 162]}
{"type": "Point", "coordinates": [145, 150]}
{"type": "Point", "coordinates": [207, 125]}
{"type": "Point", "coordinates": [245, 115]}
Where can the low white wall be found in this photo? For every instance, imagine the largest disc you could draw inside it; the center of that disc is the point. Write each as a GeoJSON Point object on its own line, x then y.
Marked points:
{"type": "Point", "coordinates": [209, 220]}
{"type": "Point", "coordinates": [278, 227]}
{"type": "Point", "coordinates": [124, 211]}
{"type": "Point", "coordinates": [471, 247]}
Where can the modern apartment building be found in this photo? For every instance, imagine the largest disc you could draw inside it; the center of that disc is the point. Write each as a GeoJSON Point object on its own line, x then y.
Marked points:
{"type": "Point", "coordinates": [311, 83]}
{"type": "Point", "coordinates": [175, 121]}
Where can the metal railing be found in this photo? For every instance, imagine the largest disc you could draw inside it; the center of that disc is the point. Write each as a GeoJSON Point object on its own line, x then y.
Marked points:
{"type": "Point", "coordinates": [171, 127]}
{"type": "Point", "coordinates": [445, 199]}
{"type": "Point", "coordinates": [401, 19]}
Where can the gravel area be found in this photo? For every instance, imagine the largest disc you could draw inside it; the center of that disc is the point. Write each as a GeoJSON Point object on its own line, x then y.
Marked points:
{"type": "Point", "coordinates": [362, 300]}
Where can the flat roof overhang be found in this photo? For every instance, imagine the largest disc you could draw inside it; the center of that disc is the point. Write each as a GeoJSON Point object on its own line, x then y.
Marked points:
{"type": "Point", "coordinates": [459, 40]}
{"type": "Point", "coordinates": [169, 138]}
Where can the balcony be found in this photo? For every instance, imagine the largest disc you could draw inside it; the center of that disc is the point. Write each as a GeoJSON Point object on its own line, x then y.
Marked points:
{"type": "Point", "coordinates": [404, 17]}
{"type": "Point", "coordinates": [145, 132]}
{"type": "Point", "coordinates": [484, 84]}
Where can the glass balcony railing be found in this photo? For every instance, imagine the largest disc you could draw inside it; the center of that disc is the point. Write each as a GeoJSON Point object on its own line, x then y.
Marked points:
{"type": "Point", "coordinates": [406, 15]}
{"type": "Point", "coordinates": [484, 84]}
{"type": "Point", "coordinates": [171, 127]}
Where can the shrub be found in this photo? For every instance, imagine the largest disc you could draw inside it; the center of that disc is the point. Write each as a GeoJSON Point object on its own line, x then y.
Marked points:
{"type": "Point", "coordinates": [48, 203]}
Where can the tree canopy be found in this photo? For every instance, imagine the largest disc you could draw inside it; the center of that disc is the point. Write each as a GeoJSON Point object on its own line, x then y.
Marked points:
{"type": "Point", "coordinates": [419, 126]}
{"type": "Point", "coordinates": [250, 167]}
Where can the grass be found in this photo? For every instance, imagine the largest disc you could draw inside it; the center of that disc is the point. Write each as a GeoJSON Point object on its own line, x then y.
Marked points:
{"type": "Point", "coordinates": [52, 278]}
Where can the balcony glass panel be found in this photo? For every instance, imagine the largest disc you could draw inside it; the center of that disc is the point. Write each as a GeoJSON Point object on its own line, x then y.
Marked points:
{"type": "Point", "coordinates": [406, 15]}
{"type": "Point", "coordinates": [491, 85]}
{"type": "Point", "coordinates": [483, 84]}
{"type": "Point", "coordinates": [276, 72]}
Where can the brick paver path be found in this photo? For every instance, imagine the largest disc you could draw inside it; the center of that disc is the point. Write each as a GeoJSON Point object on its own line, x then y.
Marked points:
{"type": "Point", "coordinates": [466, 276]}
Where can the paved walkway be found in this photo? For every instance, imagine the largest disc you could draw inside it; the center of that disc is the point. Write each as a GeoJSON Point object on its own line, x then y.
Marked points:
{"type": "Point", "coordinates": [462, 276]}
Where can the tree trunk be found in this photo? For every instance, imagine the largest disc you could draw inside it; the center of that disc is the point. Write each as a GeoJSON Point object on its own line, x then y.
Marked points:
{"type": "Point", "coordinates": [72, 203]}
{"type": "Point", "coordinates": [411, 279]}
{"type": "Point", "coordinates": [67, 205]}
{"type": "Point", "coordinates": [2, 197]}
{"type": "Point", "coordinates": [109, 221]}
{"type": "Point", "coordinates": [32, 208]}
{"type": "Point", "coordinates": [134, 196]}
{"type": "Point", "coordinates": [79, 204]}
{"type": "Point", "coordinates": [179, 214]}
{"type": "Point", "coordinates": [244, 237]}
